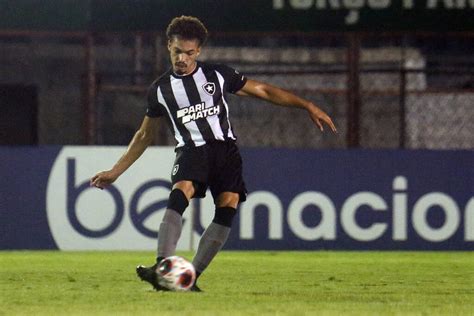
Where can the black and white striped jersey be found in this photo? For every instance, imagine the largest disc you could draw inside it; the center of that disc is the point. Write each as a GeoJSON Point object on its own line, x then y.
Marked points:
{"type": "Point", "coordinates": [195, 104]}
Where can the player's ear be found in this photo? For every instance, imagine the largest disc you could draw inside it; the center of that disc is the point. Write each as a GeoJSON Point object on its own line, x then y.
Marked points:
{"type": "Point", "coordinates": [169, 45]}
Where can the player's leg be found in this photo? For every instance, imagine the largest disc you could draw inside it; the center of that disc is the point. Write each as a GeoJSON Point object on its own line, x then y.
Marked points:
{"type": "Point", "coordinates": [170, 229]}
{"type": "Point", "coordinates": [171, 225]}
{"type": "Point", "coordinates": [228, 189]}
{"type": "Point", "coordinates": [216, 234]}
{"type": "Point", "coordinates": [189, 175]}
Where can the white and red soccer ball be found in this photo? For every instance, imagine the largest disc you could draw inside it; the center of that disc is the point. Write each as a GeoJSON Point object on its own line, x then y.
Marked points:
{"type": "Point", "coordinates": [176, 273]}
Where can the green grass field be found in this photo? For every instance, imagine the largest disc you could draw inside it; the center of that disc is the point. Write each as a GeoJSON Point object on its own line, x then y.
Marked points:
{"type": "Point", "coordinates": [243, 283]}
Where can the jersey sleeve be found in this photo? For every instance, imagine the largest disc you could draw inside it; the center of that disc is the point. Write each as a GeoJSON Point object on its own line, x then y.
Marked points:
{"type": "Point", "coordinates": [234, 81]}
{"type": "Point", "coordinates": [154, 108]}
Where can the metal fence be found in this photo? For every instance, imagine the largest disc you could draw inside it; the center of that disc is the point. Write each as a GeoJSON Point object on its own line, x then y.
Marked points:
{"type": "Point", "coordinates": [383, 90]}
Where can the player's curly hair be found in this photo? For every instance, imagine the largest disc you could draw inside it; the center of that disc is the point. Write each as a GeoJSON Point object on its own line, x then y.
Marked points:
{"type": "Point", "coordinates": [187, 27]}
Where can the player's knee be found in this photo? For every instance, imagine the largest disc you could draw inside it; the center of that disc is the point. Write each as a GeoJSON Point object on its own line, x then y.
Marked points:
{"type": "Point", "coordinates": [178, 201]}
{"type": "Point", "coordinates": [187, 187]}
{"type": "Point", "coordinates": [224, 216]}
{"type": "Point", "coordinates": [228, 199]}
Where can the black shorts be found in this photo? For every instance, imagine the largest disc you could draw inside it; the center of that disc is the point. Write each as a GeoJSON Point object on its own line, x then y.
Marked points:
{"type": "Point", "coordinates": [216, 165]}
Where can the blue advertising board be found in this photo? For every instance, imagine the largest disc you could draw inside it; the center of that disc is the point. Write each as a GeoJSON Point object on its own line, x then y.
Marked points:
{"type": "Point", "coordinates": [297, 199]}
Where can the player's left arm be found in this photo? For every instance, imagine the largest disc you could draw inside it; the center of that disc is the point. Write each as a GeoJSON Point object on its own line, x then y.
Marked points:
{"type": "Point", "coordinates": [281, 97]}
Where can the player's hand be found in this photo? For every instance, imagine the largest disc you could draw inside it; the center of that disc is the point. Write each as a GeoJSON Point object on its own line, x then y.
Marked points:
{"type": "Point", "coordinates": [319, 116]}
{"type": "Point", "coordinates": [103, 179]}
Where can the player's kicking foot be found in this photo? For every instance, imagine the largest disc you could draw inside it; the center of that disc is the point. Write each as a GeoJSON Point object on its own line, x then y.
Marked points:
{"type": "Point", "coordinates": [195, 288]}
{"type": "Point", "coordinates": [149, 275]}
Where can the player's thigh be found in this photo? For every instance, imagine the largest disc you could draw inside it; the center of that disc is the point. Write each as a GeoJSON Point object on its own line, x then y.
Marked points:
{"type": "Point", "coordinates": [227, 184]}
{"type": "Point", "coordinates": [186, 186]}
{"type": "Point", "coordinates": [190, 171]}
{"type": "Point", "coordinates": [228, 199]}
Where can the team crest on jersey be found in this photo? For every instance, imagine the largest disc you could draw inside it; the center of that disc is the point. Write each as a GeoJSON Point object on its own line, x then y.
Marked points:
{"type": "Point", "coordinates": [209, 88]}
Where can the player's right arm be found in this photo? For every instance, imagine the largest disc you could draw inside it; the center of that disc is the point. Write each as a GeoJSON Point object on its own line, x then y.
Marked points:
{"type": "Point", "coordinates": [140, 141]}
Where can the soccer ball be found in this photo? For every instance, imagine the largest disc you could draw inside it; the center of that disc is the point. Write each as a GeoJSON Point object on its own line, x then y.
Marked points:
{"type": "Point", "coordinates": [176, 273]}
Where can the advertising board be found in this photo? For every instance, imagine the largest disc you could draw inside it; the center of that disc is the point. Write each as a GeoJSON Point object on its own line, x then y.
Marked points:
{"type": "Point", "coordinates": [297, 199]}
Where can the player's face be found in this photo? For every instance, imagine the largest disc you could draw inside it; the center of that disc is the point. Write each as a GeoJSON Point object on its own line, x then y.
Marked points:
{"type": "Point", "coordinates": [183, 53]}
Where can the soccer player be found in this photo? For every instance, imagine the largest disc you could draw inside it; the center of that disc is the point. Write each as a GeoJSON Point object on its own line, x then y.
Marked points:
{"type": "Point", "coordinates": [191, 95]}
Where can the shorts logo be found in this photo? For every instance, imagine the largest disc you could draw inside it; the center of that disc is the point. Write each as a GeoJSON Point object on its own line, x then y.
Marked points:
{"type": "Point", "coordinates": [175, 169]}
{"type": "Point", "coordinates": [209, 88]}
